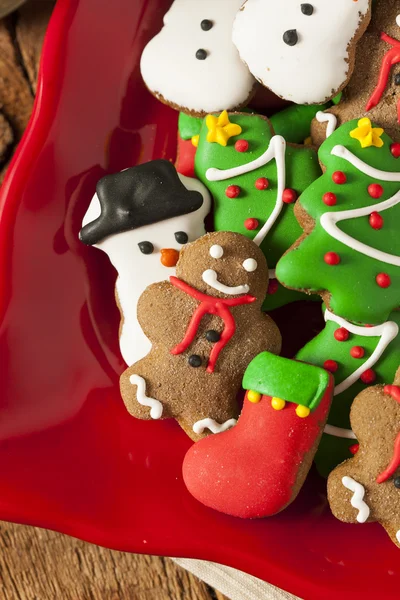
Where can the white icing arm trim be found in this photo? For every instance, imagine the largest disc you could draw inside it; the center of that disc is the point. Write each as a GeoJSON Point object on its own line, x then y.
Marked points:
{"type": "Point", "coordinates": [210, 277]}
{"type": "Point", "coordinates": [339, 432]}
{"type": "Point", "coordinates": [329, 219]}
{"type": "Point", "coordinates": [342, 152]}
{"type": "Point", "coordinates": [357, 500]}
{"type": "Point", "coordinates": [155, 405]}
{"type": "Point", "coordinates": [398, 533]}
{"type": "Point", "coordinates": [323, 117]}
{"type": "Point", "coordinates": [387, 332]}
{"type": "Point", "coordinates": [277, 150]}
{"type": "Point", "coordinates": [213, 426]}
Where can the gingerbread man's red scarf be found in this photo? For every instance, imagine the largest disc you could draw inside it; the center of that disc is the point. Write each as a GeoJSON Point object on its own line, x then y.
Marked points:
{"type": "Point", "coordinates": [209, 305]}
{"type": "Point", "coordinates": [391, 58]}
{"type": "Point", "coordinates": [394, 391]}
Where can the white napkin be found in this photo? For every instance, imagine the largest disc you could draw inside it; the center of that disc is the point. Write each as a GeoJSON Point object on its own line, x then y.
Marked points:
{"type": "Point", "coordinates": [234, 584]}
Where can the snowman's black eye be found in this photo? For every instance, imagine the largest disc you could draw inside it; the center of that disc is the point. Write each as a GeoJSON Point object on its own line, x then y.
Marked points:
{"type": "Point", "coordinates": [181, 237]}
{"type": "Point", "coordinates": [146, 247]}
{"type": "Point", "coordinates": [307, 9]}
{"type": "Point", "coordinates": [290, 37]}
{"type": "Point", "coordinates": [206, 24]}
{"type": "Point", "coordinates": [396, 482]}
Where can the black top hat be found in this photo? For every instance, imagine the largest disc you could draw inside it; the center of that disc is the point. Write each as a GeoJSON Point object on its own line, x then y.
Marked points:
{"type": "Point", "coordinates": [139, 196]}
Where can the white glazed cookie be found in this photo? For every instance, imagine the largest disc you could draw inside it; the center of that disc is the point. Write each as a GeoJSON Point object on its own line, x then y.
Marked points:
{"type": "Point", "coordinates": [192, 63]}
{"type": "Point", "coordinates": [144, 245]}
{"type": "Point", "coordinates": [303, 52]}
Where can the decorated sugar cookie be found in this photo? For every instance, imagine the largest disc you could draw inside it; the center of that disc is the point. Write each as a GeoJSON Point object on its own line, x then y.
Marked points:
{"type": "Point", "coordinates": [357, 356]}
{"type": "Point", "coordinates": [350, 250]}
{"type": "Point", "coordinates": [141, 218]}
{"type": "Point", "coordinates": [255, 178]}
{"type": "Point", "coordinates": [304, 52]}
{"type": "Point", "coordinates": [192, 64]}
{"type": "Point", "coordinates": [257, 468]}
{"type": "Point", "coordinates": [374, 87]}
{"type": "Point", "coordinates": [367, 487]}
{"type": "Point", "coordinates": [205, 326]}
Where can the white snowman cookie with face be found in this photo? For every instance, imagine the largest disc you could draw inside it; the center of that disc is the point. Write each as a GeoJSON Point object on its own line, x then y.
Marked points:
{"type": "Point", "coordinates": [192, 63]}
{"type": "Point", "coordinates": [303, 52]}
{"type": "Point", "coordinates": [141, 218]}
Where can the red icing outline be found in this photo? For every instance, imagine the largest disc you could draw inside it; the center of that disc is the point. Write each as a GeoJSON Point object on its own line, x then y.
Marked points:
{"type": "Point", "coordinates": [212, 306]}
{"type": "Point", "coordinates": [391, 58]}
{"type": "Point", "coordinates": [394, 391]}
{"type": "Point", "coordinates": [394, 463]}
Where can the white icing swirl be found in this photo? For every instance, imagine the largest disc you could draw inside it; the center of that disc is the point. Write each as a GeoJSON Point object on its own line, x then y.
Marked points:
{"type": "Point", "coordinates": [155, 405]}
{"type": "Point", "coordinates": [210, 277]}
{"type": "Point", "coordinates": [323, 117]}
{"type": "Point", "coordinates": [357, 500]}
{"type": "Point", "coordinates": [212, 425]}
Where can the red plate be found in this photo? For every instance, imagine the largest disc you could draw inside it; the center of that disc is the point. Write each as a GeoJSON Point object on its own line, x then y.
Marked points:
{"type": "Point", "coordinates": [71, 458]}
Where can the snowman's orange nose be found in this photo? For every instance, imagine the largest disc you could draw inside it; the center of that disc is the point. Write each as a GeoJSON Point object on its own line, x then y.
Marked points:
{"type": "Point", "coordinates": [169, 257]}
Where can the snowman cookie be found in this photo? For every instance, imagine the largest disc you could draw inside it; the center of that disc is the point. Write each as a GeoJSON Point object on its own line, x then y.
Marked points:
{"type": "Point", "coordinates": [141, 218]}
{"type": "Point", "coordinates": [303, 52]}
{"type": "Point", "coordinates": [192, 64]}
{"type": "Point", "coordinates": [205, 326]}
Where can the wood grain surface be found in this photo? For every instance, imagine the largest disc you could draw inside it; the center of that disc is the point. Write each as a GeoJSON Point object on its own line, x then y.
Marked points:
{"type": "Point", "coordinates": [36, 564]}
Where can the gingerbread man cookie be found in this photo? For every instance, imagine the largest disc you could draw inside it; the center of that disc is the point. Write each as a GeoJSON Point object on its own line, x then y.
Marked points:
{"type": "Point", "coordinates": [367, 487]}
{"type": "Point", "coordinates": [205, 326]}
{"type": "Point", "coordinates": [192, 64]}
{"type": "Point", "coordinates": [374, 88]}
{"type": "Point", "coordinates": [303, 52]}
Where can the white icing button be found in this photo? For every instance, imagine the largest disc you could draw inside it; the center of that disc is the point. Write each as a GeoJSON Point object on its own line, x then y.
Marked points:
{"type": "Point", "coordinates": [250, 265]}
{"type": "Point", "coordinates": [216, 251]}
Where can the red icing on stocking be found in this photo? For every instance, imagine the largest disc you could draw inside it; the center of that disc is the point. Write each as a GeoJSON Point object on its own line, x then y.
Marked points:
{"type": "Point", "coordinates": [391, 58]}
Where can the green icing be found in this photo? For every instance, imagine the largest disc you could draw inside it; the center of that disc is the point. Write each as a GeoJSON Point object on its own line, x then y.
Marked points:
{"type": "Point", "coordinates": [333, 450]}
{"type": "Point", "coordinates": [230, 214]}
{"type": "Point", "coordinates": [337, 99]}
{"type": "Point", "coordinates": [290, 380]}
{"type": "Point", "coordinates": [188, 126]}
{"type": "Point", "coordinates": [294, 123]}
{"type": "Point", "coordinates": [354, 293]}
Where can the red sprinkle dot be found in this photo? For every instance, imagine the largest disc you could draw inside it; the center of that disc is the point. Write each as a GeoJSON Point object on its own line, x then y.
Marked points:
{"type": "Point", "coordinates": [354, 448]}
{"type": "Point", "coordinates": [262, 183]}
{"type": "Point", "coordinates": [232, 191]}
{"type": "Point", "coordinates": [332, 258]}
{"type": "Point", "coordinates": [375, 220]}
{"type": "Point", "coordinates": [383, 280]}
{"type": "Point", "coordinates": [251, 224]}
{"type": "Point", "coordinates": [395, 150]}
{"type": "Point", "coordinates": [341, 334]}
{"type": "Point", "coordinates": [357, 352]}
{"type": "Point", "coordinates": [339, 177]}
{"type": "Point", "coordinates": [289, 196]}
{"type": "Point", "coordinates": [375, 190]}
{"type": "Point", "coordinates": [242, 146]}
{"type": "Point", "coordinates": [331, 366]}
{"type": "Point", "coordinates": [368, 376]}
{"type": "Point", "coordinates": [273, 286]}
{"type": "Point", "coordinates": [329, 199]}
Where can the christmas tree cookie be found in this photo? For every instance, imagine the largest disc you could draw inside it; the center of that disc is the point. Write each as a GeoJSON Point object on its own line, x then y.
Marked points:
{"type": "Point", "coordinates": [350, 250]}
{"type": "Point", "coordinates": [255, 178]}
{"type": "Point", "coordinates": [357, 356]}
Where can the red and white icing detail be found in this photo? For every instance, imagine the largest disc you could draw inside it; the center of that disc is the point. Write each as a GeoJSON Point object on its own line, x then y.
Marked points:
{"type": "Point", "coordinates": [329, 219]}
{"type": "Point", "coordinates": [156, 408]}
{"type": "Point", "coordinates": [323, 117]}
{"type": "Point", "coordinates": [210, 277]}
{"type": "Point", "coordinates": [357, 500]}
{"type": "Point", "coordinates": [317, 66]}
{"type": "Point", "coordinates": [276, 150]}
{"type": "Point", "coordinates": [213, 425]}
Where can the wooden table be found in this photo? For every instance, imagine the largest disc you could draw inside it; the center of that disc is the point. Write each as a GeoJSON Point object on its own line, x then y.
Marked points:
{"type": "Point", "coordinates": [36, 564]}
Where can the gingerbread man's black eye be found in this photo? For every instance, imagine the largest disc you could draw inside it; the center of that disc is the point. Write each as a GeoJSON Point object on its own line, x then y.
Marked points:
{"type": "Point", "coordinates": [396, 482]}
{"type": "Point", "coordinates": [181, 237]}
{"type": "Point", "coordinates": [146, 247]}
{"type": "Point", "coordinates": [397, 79]}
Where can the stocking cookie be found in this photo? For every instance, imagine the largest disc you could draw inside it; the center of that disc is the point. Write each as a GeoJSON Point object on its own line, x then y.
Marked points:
{"type": "Point", "coordinates": [192, 64]}
{"type": "Point", "coordinates": [255, 178]}
{"type": "Point", "coordinates": [373, 90]}
{"type": "Point", "coordinates": [303, 52]}
{"type": "Point", "coordinates": [205, 326]}
{"type": "Point", "coordinates": [141, 218]}
{"type": "Point", "coordinates": [350, 250]}
{"type": "Point", "coordinates": [257, 468]}
{"type": "Point", "coordinates": [357, 356]}
{"type": "Point", "coordinates": [367, 487]}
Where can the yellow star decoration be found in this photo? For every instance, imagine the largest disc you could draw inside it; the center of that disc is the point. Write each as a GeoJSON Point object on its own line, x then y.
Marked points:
{"type": "Point", "coordinates": [367, 135]}
{"type": "Point", "coordinates": [220, 129]}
